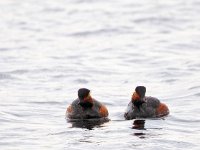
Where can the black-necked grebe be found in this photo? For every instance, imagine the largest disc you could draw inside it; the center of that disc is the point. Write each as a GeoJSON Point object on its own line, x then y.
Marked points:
{"type": "Point", "coordinates": [142, 106]}
{"type": "Point", "coordinates": [86, 107]}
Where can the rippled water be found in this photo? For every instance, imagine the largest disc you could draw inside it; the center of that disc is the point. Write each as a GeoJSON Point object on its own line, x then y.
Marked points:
{"type": "Point", "coordinates": [49, 49]}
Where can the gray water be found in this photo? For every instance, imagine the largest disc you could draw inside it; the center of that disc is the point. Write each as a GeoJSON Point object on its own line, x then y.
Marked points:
{"type": "Point", "coordinates": [50, 49]}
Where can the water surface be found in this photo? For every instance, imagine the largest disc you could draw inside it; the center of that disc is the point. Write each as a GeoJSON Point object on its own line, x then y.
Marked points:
{"type": "Point", "coordinates": [50, 49]}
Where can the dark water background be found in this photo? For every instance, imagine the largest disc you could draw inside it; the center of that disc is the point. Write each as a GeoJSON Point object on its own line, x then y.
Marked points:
{"type": "Point", "coordinates": [50, 49]}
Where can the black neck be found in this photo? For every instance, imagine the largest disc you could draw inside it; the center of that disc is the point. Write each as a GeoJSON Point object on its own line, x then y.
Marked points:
{"type": "Point", "coordinates": [86, 105]}
{"type": "Point", "coordinates": [138, 103]}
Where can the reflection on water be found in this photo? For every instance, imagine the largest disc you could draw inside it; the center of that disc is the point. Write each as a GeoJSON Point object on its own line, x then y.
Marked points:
{"type": "Point", "coordinates": [88, 123]}
{"type": "Point", "coordinates": [144, 131]}
{"type": "Point", "coordinates": [138, 124]}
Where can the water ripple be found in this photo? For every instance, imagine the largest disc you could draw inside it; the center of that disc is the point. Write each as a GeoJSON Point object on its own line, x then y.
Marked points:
{"type": "Point", "coordinates": [49, 49]}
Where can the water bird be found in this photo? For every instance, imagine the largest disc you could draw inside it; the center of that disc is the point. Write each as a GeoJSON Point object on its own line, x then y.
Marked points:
{"type": "Point", "coordinates": [86, 107]}
{"type": "Point", "coordinates": [142, 106]}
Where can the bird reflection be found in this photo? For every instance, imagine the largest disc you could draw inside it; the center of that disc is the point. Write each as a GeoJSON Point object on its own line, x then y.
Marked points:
{"type": "Point", "coordinates": [139, 125]}
{"type": "Point", "coordinates": [88, 123]}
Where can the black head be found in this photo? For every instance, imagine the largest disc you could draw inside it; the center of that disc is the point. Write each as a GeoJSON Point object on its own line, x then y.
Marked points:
{"type": "Point", "coordinates": [82, 93]}
{"type": "Point", "coordinates": [141, 90]}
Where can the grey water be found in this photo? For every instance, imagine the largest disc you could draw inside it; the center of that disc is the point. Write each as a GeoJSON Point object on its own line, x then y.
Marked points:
{"type": "Point", "coordinates": [51, 48]}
